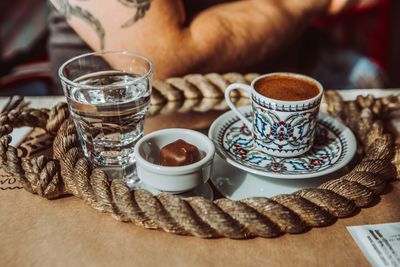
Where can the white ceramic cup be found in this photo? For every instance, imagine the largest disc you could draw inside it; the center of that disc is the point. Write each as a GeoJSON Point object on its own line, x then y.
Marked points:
{"type": "Point", "coordinates": [280, 128]}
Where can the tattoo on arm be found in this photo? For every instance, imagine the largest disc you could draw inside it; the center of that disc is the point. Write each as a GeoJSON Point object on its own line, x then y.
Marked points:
{"type": "Point", "coordinates": [141, 6]}
{"type": "Point", "coordinates": [68, 10]}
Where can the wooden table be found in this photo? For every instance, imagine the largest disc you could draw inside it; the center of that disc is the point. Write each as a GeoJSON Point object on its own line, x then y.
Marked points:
{"type": "Point", "coordinates": [66, 232]}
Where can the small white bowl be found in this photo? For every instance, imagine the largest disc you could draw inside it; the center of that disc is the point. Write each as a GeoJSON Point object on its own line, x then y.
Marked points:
{"type": "Point", "coordinates": [173, 179]}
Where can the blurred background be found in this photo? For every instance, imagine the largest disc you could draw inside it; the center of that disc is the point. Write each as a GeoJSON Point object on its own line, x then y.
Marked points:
{"type": "Point", "coordinates": [368, 37]}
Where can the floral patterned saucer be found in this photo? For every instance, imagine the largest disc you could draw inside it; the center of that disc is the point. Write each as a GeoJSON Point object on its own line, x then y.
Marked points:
{"type": "Point", "coordinates": [334, 147]}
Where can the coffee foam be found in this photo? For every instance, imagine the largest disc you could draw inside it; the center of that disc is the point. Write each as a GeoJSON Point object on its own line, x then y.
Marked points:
{"type": "Point", "coordinates": [286, 88]}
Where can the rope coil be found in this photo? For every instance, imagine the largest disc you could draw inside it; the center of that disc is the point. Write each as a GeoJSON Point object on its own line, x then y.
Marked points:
{"type": "Point", "coordinates": [69, 173]}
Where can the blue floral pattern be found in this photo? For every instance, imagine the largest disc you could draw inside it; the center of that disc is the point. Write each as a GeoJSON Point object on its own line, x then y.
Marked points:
{"type": "Point", "coordinates": [237, 142]}
{"type": "Point", "coordinates": [282, 130]}
{"type": "Point", "coordinates": [295, 133]}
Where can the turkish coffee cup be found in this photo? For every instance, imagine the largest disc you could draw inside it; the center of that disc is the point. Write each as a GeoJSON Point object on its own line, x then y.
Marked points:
{"type": "Point", "coordinates": [285, 110]}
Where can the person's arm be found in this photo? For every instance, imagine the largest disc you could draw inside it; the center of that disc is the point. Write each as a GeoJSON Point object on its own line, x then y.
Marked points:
{"type": "Point", "coordinates": [224, 37]}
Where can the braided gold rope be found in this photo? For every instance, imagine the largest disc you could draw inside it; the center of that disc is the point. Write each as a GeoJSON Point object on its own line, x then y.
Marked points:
{"type": "Point", "coordinates": [68, 172]}
{"type": "Point", "coordinates": [196, 92]}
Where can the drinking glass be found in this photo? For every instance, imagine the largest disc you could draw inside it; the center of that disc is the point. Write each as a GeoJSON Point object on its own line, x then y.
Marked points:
{"type": "Point", "coordinates": [108, 95]}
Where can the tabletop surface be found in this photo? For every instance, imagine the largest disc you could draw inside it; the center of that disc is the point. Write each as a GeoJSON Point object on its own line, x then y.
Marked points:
{"type": "Point", "coordinates": [66, 232]}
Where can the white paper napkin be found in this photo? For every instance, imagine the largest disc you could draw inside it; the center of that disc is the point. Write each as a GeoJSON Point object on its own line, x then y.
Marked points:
{"type": "Point", "coordinates": [380, 243]}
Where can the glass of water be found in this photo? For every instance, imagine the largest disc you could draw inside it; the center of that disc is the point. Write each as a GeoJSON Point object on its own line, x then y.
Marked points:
{"type": "Point", "coordinates": [108, 95]}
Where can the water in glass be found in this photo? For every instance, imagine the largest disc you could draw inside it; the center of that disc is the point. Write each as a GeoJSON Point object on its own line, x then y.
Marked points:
{"type": "Point", "coordinates": [110, 118]}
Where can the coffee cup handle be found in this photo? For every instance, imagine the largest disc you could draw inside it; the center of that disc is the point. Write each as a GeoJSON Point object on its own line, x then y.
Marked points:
{"type": "Point", "coordinates": [229, 89]}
